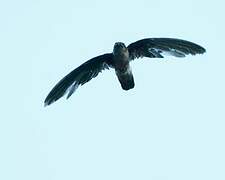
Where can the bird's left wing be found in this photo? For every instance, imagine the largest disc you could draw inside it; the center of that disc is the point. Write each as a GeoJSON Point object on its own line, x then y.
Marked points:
{"type": "Point", "coordinates": [158, 47]}
{"type": "Point", "coordinates": [79, 76]}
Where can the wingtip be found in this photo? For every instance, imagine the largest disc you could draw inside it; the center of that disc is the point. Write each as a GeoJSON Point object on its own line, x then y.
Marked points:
{"type": "Point", "coordinates": [199, 50]}
{"type": "Point", "coordinates": [45, 104]}
{"type": "Point", "coordinates": [202, 50]}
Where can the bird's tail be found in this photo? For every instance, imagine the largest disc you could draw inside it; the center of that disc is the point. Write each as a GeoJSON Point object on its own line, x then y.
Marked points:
{"type": "Point", "coordinates": [126, 80]}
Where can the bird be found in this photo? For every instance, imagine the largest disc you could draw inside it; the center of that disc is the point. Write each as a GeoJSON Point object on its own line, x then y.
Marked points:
{"type": "Point", "coordinates": [119, 60]}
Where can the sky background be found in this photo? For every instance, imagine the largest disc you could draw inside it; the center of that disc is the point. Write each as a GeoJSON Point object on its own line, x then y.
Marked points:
{"type": "Point", "coordinates": [169, 127]}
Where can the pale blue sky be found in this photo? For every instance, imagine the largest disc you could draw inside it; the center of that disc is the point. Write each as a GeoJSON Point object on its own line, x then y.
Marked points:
{"type": "Point", "coordinates": [169, 127]}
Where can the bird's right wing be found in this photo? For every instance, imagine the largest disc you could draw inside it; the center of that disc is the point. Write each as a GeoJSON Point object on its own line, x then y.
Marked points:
{"type": "Point", "coordinates": [79, 76]}
{"type": "Point", "coordinates": [158, 47]}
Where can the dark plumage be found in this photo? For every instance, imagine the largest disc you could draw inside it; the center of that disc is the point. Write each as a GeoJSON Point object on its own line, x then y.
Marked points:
{"type": "Point", "coordinates": [120, 61]}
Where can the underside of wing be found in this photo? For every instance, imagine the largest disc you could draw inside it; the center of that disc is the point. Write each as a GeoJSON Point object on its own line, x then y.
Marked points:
{"type": "Point", "coordinates": [79, 76]}
{"type": "Point", "coordinates": [159, 47]}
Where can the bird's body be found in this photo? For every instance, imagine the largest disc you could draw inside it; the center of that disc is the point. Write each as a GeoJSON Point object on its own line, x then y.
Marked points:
{"type": "Point", "coordinates": [122, 66]}
{"type": "Point", "coordinates": [120, 60]}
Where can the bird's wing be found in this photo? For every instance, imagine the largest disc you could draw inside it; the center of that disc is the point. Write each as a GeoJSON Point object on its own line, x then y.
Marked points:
{"type": "Point", "coordinates": [79, 76]}
{"type": "Point", "coordinates": [158, 47]}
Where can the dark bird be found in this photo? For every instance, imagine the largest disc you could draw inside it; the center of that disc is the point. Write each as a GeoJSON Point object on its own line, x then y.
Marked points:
{"type": "Point", "coordinates": [120, 60]}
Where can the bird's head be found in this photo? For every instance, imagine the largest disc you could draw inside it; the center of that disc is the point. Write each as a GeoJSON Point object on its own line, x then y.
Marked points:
{"type": "Point", "coordinates": [119, 47]}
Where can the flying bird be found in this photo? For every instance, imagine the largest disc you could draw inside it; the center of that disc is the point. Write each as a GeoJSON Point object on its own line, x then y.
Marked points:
{"type": "Point", "coordinates": [119, 60]}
